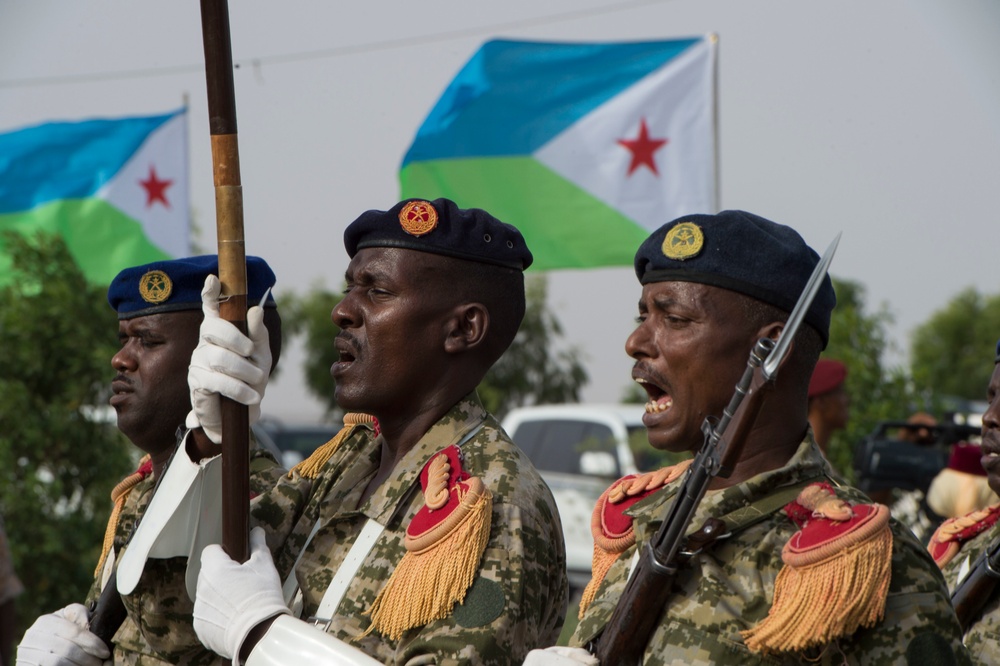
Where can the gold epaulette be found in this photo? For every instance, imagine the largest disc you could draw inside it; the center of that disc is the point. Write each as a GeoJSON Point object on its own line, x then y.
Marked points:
{"type": "Point", "coordinates": [311, 466]}
{"type": "Point", "coordinates": [948, 538]}
{"type": "Point", "coordinates": [612, 527]}
{"type": "Point", "coordinates": [118, 496]}
{"type": "Point", "coordinates": [836, 574]}
{"type": "Point", "coordinates": [444, 543]}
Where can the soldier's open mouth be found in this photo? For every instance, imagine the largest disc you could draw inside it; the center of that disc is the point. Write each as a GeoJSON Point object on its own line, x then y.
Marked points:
{"type": "Point", "coordinates": [659, 399]}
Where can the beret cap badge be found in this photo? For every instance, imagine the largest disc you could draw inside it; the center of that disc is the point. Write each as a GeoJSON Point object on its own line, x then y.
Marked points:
{"type": "Point", "coordinates": [155, 287]}
{"type": "Point", "coordinates": [418, 218]}
{"type": "Point", "coordinates": [683, 241]}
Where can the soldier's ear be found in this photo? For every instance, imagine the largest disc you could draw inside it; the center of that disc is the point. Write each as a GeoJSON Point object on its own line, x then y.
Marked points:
{"type": "Point", "coordinates": [772, 330]}
{"type": "Point", "coordinates": [466, 328]}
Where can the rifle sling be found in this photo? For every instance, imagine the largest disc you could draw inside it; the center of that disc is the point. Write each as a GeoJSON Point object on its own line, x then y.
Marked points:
{"type": "Point", "coordinates": [746, 516]}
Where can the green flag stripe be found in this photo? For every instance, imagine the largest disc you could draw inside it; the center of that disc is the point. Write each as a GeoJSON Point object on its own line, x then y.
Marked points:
{"type": "Point", "coordinates": [564, 226]}
{"type": "Point", "coordinates": [101, 238]}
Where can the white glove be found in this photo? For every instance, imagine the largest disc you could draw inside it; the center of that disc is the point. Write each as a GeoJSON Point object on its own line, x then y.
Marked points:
{"type": "Point", "coordinates": [234, 598]}
{"type": "Point", "coordinates": [560, 656]}
{"type": "Point", "coordinates": [226, 362]}
{"type": "Point", "coordinates": [62, 639]}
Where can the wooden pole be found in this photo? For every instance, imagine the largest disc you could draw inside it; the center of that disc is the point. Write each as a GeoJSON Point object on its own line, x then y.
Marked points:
{"type": "Point", "coordinates": [232, 264]}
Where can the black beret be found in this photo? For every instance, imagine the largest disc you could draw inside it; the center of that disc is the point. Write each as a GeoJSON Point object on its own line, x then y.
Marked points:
{"type": "Point", "coordinates": [175, 285]}
{"type": "Point", "coordinates": [741, 252]}
{"type": "Point", "coordinates": [440, 227]}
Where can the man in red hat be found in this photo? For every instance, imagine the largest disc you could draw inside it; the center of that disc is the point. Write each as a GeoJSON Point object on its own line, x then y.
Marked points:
{"type": "Point", "coordinates": [829, 403]}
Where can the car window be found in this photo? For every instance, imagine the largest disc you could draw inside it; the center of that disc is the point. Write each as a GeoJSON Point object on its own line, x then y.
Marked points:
{"type": "Point", "coordinates": [556, 445]}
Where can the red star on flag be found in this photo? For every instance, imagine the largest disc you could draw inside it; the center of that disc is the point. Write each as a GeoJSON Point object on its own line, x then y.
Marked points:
{"type": "Point", "coordinates": [642, 148]}
{"type": "Point", "coordinates": [156, 189]}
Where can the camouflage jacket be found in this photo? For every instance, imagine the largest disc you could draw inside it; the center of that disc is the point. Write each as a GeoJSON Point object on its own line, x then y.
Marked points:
{"type": "Point", "coordinates": [730, 587]}
{"type": "Point", "coordinates": [983, 637]}
{"type": "Point", "coordinates": [164, 614]}
{"type": "Point", "coordinates": [517, 602]}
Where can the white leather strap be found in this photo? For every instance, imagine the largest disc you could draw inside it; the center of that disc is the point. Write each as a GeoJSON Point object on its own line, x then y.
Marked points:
{"type": "Point", "coordinates": [363, 544]}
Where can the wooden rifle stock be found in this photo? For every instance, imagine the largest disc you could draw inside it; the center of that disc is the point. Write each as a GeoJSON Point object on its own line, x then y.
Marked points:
{"type": "Point", "coordinates": [638, 611]}
{"type": "Point", "coordinates": [232, 265]}
{"type": "Point", "coordinates": [978, 587]}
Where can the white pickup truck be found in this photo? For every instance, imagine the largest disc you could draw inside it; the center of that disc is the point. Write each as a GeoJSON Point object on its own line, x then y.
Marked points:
{"type": "Point", "coordinates": [579, 450]}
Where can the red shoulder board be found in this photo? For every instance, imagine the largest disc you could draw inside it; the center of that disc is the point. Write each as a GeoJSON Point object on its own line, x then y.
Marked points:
{"type": "Point", "coordinates": [449, 493]}
{"type": "Point", "coordinates": [145, 468]}
{"type": "Point", "coordinates": [444, 543]}
{"type": "Point", "coordinates": [836, 574]}
{"type": "Point", "coordinates": [949, 537]}
{"type": "Point", "coordinates": [610, 525]}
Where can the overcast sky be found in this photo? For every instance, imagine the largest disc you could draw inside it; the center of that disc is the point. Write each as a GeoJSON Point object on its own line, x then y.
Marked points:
{"type": "Point", "coordinates": [878, 118]}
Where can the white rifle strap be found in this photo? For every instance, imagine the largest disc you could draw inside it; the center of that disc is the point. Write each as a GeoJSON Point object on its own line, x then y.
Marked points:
{"type": "Point", "coordinates": [370, 533]}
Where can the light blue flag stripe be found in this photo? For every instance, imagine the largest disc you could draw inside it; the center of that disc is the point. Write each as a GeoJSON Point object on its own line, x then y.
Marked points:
{"type": "Point", "coordinates": [513, 97]}
{"type": "Point", "coordinates": [67, 160]}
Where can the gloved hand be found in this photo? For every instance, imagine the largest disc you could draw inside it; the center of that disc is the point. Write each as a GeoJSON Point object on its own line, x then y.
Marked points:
{"type": "Point", "coordinates": [560, 656]}
{"type": "Point", "coordinates": [62, 638]}
{"type": "Point", "coordinates": [226, 362]}
{"type": "Point", "coordinates": [231, 598]}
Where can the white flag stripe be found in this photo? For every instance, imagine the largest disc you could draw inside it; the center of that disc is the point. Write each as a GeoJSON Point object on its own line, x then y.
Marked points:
{"type": "Point", "coordinates": [165, 152]}
{"type": "Point", "coordinates": [676, 102]}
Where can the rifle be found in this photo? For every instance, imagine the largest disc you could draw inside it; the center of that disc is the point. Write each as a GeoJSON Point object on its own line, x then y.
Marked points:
{"type": "Point", "coordinates": [232, 265]}
{"type": "Point", "coordinates": [976, 589]}
{"type": "Point", "coordinates": [638, 610]}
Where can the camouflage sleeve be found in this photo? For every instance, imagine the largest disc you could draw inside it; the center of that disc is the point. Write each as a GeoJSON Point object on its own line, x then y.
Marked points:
{"type": "Point", "coordinates": [983, 638]}
{"type": "Point", "coordinates": [517, 603]}
{"type": "Point", "coordinates": [919, 625]}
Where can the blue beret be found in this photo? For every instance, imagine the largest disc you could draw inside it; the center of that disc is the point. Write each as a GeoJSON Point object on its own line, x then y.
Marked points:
{"type": "Point", "coordinates": [997, 359]}
{"type": "Point", "coordinates": [175, 285]}
{"type": "Point", "coordinates": [741, 252]}
{"type": "Point", "coordinates": [440, 227]}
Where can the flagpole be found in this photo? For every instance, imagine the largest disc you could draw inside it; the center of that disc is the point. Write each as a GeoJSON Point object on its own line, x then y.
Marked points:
{"type": "Point", "coordinates": [232, 265]}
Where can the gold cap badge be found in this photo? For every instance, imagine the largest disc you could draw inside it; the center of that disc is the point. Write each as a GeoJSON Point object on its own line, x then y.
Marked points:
{"type": "Point", "coordinates": [155, 287]}
{"type": "Point", "coordinates": [683, 241]}
{"type": "Point", "coordinates": [418, 218]}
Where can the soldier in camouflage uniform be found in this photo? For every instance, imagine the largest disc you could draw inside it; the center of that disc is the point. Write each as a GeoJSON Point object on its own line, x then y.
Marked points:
{"type": "Point", "coordinates": [159, 309]}
{"type": "Point", "coordinates": [712, 286]}
{"type": "Point", "coordinates": [435, 294]}
{"type": "Point", "coordinates": [959, 542]}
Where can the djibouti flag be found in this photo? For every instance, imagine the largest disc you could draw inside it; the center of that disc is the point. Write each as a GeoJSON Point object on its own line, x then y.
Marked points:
{"type": "Point", "coordinates": [584, 147]}
{"type": "Point", "coordinates": [116, 190]}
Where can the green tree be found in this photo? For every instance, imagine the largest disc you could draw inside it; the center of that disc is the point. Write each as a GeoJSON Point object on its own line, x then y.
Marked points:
{"type": "Point", "coordinates": [952, 352]}
{"type": "Point", "coordinates": [534, 370]}
{"type": "Point", "coordinates": [860, 340]}
{"type": "Point", "coordinates": [531, 371]}
{"type": "Point", "coordinates": [308, 316]}
{"type": "Point", "coordinates": [57, 465]}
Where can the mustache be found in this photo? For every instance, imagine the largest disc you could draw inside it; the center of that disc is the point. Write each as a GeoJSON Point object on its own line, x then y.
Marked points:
{"type": "Point", "coordinates": [644, 371]}
{"type": "Point", "coordinates": [345, 340]}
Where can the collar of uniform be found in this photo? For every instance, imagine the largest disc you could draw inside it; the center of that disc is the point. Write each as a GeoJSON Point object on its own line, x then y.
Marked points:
{"type": "Point", "coordinates": [807, 462]}
{"type": "Point", "coordinates": [452, 428]}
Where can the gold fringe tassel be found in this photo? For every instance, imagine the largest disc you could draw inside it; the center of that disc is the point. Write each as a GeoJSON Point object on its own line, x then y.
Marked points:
{"type": "Point", "coordinates": [816, 604]}
{"type": "Point", "coordinates": [311, 466]}
{"type": "Point", "coordinates": [600, 565]}
{"type": "Point", "coordinates": [118, 496]}
{"type": "Point", "coordinates": [428, 583]}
